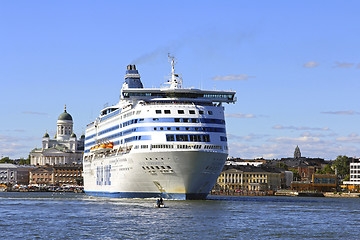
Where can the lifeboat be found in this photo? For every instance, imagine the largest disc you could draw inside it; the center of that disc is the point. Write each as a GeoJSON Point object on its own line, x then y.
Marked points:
{"type": "Point", "coordinates": [110, 145]}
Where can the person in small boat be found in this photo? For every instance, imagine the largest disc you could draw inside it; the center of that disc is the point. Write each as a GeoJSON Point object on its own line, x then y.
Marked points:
{"type": "Point", "coordinates": [158, 203]}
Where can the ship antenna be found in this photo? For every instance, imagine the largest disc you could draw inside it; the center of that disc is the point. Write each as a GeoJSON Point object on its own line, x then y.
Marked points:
{"type": "Point", "coordinates": [175, 81]}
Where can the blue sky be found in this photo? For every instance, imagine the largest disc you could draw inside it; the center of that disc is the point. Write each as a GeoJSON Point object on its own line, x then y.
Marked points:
{"type": "Point", "coordinates": [294, 64]}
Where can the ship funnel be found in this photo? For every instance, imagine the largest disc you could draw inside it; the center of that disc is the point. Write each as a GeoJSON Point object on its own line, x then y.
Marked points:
{"type": "Point", "coordinates": [132, 77]}
{"type": "Point", "coordinates": [131, 67]}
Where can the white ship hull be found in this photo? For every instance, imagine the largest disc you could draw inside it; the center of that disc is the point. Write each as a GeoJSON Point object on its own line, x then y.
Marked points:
{"type": "Point", "coordinates": [192, 175]}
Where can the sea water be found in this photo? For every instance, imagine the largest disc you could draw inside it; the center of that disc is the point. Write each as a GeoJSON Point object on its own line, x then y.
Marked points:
{"type": "Point", "coordinates": [46, 215]}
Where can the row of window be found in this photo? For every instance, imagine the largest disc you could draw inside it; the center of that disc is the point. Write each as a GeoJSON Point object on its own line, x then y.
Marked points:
{"type": "Point", "coordinates": [325, 180]}
{"type": "Point", "coordinates": [180, 111]}
{"type": "Point", "coordinates": [109, 114]}
{"type": "Point", "coordinates": [149, 120]}
{"type": "Point", "coordinates": [213, 147]}
{"type": "Point", "coordinates": [155, 167]}
{"type": "Point", "coordinates": [244, 180]}
{"type": "Point", "coordinates": [49, 179]}
{"type": "Point", "coordinates": [162, 146]}
{"type": "Point", "coordinates": [146, 129]}
{"type": "Point", "coordinates": [109, 130]}
{"type": "Point", "coordinates": [67, 175]}
{"type": "Point", "coordinates": [194, 129]}
{"type": "Point", "coordinates": [141, 146]}
{"type": "Point", "coordinates": [199, 120]}
{"type": "Point", "coordinates": [225, 97]}
{"type": "Point", "coordinates": [238, 175]}
{"type": "Point", "coordinates": [187, 138]}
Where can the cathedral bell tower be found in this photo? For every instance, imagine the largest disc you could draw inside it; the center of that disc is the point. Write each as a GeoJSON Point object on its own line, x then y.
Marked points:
{"type": "Point", "coordinates": [297, 153]}
{"type": "Point", "coordinates": [64, 126]}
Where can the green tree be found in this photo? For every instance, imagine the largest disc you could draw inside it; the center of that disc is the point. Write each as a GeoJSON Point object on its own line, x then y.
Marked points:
{"type": "Point", "coordinates": [6, 160]}
{"type": "Point", "coordinates": [282, 165]}
{"type": "Point", "coordinates": [342, 166]}
{"type": "Point", "coordinates": [24, 161]}
{"type": "Point", "coordinates": [326, 170]}
{"type": "Point", "coordinates": [27, 161]}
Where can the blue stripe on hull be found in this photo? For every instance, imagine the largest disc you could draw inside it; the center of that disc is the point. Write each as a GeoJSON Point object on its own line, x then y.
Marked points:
{"type": "Point", "coordinates": [177, 196]}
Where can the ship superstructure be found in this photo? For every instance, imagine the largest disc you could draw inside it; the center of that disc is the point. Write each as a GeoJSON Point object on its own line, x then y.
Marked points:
{"type": "Point", "coordinates": [169, 142]}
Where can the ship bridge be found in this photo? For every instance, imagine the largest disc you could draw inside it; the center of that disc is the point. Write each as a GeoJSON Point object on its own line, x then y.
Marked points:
{"type": "Point", "coordinates": [179, 94]}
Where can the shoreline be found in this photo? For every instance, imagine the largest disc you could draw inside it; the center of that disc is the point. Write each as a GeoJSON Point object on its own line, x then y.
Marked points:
{"type": "Point", "coordinates": [289, 193]}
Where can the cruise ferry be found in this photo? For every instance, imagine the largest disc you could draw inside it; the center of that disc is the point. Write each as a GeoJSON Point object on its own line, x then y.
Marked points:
{"type": "Point", "coordinates": [165, 142]}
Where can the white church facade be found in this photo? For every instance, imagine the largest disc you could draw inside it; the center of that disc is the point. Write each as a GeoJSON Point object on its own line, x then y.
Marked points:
{"type": "Point", "coordinates": [65, 148]}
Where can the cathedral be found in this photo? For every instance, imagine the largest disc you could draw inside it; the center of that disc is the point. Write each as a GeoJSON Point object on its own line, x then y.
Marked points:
{"type": "Point", "coordinates": [65, 148]}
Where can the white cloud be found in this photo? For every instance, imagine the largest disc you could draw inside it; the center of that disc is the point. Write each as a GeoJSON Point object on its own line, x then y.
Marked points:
{"type": "Point", "coordinates": [348, 112]}
{"type": "Point", "coordinates": [239, 115]}
{"type": "Point", "coordinates": [352, 138]}
{"type": "Point", "coordinates": [301, 128]}
{"type": "Point", "coordinates": [311, 134]}
{"type": "Point", "coordinates": [14, 147]}
{"type": "Point", "coordinates": [35, 113]}
{"type": "Point", "coordinates": [343, 65]}
{"type": "Point", "coordinates": [311, 64]}
{"type": "Point", "coordinates": [296, 140]}
{"type": "Point", "coordinates": [232, 77]}
{"type": "Point", "coordinates": [250, 137]}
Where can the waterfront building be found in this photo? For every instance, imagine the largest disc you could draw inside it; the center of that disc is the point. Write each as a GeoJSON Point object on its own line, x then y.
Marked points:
{"type": "Point", "coordinates": [354, 182]}
{"type": "Point", "coordinates": [42, 176]}
{"type": "Point", "coordinates": [65, 148]}
{"type": "Point", "coordinates": [11, 174]}
{"type": "Point", "coordinates": [68, 174]}
{"type": "Point", "coordinates": [57, 175]}
{"type": "Point", "coordinates": [236, 178]}
{"type": "Point", "coordinates": [319, 183]}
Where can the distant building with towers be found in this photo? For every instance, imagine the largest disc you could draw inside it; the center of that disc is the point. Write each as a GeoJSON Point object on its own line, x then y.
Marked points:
{"type": "Point", "coordinates": [64, 148]}
{"type": "Point", "coordinates": [305, 167]}
{"type": "Point", "coordinates": [297, 153]}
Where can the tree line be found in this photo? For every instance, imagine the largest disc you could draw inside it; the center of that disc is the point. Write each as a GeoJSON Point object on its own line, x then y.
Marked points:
{"type": "Point", "coordinates": [21, 161]}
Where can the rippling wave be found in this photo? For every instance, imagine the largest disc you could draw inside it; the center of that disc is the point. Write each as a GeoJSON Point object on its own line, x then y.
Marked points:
{"type": "Point", "coordinates": [79, 216]}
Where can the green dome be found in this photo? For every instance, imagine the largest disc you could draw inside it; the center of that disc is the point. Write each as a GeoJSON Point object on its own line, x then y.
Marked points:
{"type": "Point", "coordinates": [73, 135]}
{"type": "Point", "coordinates": [46, 135]}
{"type": "Point", "coordinates": [65, 116]}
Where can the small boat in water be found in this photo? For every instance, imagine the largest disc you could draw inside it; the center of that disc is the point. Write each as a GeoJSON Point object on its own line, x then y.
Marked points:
{"type": "Point", "coordinates": [160, 206]}
{"type": "Point", "coordinates": [160, 203]}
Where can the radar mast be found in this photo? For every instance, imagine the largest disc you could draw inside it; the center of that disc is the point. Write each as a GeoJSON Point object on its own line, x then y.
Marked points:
{"type": "Point", "coordinates": [175, 81]}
